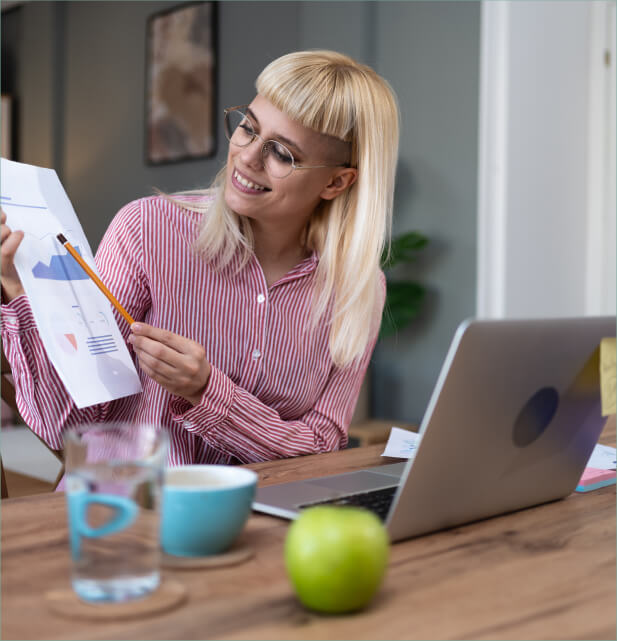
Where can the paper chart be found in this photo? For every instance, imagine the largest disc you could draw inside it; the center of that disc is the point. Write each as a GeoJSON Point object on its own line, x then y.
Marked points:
{"type": "Point", "coordinates": [74, 318]}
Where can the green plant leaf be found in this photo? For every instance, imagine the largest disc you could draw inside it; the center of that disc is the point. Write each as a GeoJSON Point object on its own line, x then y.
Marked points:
{"type": "Point", "coordinates": [403, 249]}
{"type": "Point", "coordinates": [403, 304]}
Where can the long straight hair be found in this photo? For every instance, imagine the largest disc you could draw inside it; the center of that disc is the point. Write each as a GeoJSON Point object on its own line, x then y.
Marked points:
{"type": "Point", "coordinates": [332, 94]}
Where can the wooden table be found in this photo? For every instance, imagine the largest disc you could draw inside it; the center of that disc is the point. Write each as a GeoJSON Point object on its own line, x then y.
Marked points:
{"type": "Point", "coordinates": [542, 573]}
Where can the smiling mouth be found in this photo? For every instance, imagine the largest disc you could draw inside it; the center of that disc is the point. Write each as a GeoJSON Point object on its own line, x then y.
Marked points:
{"type": "Point", "coordinates": [248, 185]}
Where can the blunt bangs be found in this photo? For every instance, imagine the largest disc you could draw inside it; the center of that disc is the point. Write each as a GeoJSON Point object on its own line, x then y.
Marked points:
{"type": "Point", "coordinates": [313, 91]}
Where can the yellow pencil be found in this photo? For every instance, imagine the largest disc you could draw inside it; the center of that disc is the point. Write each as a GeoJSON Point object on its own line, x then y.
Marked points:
{"type": "Point", "coordinates": [97, 281]}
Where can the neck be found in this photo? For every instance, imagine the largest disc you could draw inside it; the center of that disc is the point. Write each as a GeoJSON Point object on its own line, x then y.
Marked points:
{"type": "Point", "coordinates": [277, 250]}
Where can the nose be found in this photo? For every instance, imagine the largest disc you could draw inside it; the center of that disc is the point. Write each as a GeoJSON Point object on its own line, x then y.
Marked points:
{"type": "Point", "coordinates": [251, 155]}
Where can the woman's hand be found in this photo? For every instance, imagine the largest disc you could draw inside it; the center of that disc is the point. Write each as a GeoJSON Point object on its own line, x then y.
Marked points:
{"type": "Point", "coordinates": [9, 242]}
{"type": "Point", "coordinates": [177, 363]}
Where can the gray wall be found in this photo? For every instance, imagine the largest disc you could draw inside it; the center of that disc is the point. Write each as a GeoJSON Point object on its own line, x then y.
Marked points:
{"type": "Point", "coordinates": [81, 87]}
{"type": "Point", "coordinates": [429, 51]}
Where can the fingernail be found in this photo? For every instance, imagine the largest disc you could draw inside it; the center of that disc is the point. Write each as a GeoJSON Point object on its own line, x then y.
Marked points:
{"type": "Point", "coordinates": [136, 327]}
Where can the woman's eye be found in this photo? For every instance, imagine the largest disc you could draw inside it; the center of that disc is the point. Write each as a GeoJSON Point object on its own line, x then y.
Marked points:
{"type": "Point", "coordinates": [282, 154]}
{"type": "Point", "coordinates": [247, 128]}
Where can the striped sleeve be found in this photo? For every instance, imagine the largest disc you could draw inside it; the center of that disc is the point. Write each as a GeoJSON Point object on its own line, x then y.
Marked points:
{"type": "Point", "coordinates": [42, 400]}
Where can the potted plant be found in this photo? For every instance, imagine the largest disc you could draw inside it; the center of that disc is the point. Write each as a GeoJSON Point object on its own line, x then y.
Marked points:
{"type": "Point", "coordinates": [404, 300]}
{"type": "Point", "coordinates": [403, 297]}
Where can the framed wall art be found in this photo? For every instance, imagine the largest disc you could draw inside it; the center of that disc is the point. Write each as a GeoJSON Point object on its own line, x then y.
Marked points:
{"type": "Point", "coordinates": [181, 83]}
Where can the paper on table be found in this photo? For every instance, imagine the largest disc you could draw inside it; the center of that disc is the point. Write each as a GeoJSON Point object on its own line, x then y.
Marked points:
{"type": "Point", "coordinates": [608, 375]}
{"type": "Point", "coordinates": [402, 443]}
{"type": "Point", "coordinates": [602, 457]}
{"type": "Point", "coordinates": [74, 319]}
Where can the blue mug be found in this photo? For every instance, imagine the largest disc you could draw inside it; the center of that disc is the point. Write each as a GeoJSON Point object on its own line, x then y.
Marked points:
{"type": "Point", "coordinates": [204, 508]}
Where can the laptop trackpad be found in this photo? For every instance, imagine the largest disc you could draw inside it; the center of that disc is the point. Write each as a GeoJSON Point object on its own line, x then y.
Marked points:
{"type": "Point", "coordinates": [355, 481]}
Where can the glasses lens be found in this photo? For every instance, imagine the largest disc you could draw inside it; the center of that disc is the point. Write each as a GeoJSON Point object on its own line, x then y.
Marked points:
{"type": "Point", "coordinates": [278, 160]}
{"type": "Point", "coordinates": [238, 128]}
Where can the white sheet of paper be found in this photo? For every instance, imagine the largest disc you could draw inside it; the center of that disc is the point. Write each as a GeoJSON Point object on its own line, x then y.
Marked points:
{"type": "Point", "coordinates": [602, 457]}
{"type": "Point", "coordinates": [402, 443]}
{"type": "Point", "coordinates": [74, 318]}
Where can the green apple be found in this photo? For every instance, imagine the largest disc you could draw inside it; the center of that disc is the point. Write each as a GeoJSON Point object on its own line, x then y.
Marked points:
{"type": "Point", "coordinates": [336, 557]}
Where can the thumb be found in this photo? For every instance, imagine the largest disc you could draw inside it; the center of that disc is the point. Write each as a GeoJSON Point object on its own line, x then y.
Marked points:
{"type": "Point", "coordinates": [10, 246]}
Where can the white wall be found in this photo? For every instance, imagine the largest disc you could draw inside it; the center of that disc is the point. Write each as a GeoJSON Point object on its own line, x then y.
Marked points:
{"type": "Point", "coordinates": [540, 233]}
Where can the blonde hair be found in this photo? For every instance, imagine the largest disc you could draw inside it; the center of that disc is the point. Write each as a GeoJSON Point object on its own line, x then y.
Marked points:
{"type": "Point", "coordinates": [332, 94]}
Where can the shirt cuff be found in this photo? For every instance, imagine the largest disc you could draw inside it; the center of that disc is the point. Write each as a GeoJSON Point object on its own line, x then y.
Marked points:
{"type": "Point", "coordinates": [216, 401]}
{"type": "Point", "coordinates": [17, 316]}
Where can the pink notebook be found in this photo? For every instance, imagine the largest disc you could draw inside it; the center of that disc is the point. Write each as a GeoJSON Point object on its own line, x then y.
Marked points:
{"type": "Point", "coordinates": [594, 478]}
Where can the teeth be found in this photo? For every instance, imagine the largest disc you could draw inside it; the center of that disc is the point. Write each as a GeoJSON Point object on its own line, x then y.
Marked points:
{"type": "Point", "coordinates": [247, 183]}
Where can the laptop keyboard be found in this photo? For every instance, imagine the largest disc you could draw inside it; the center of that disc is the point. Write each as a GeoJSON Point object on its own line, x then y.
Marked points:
{"type": "Point", "coordinates": [377, 501]}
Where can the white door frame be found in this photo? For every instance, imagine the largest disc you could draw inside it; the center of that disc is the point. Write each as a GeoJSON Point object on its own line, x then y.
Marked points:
{"type": "Point", "coordinates": [492, 161]}
{"type": "Point", "coordinates": [601, 262]}
{"type": "Point", "coordinates": [497, 251]}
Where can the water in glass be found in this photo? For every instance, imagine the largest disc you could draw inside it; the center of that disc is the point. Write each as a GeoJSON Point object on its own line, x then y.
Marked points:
{"type": "Point", "coordinates": [124, 564]}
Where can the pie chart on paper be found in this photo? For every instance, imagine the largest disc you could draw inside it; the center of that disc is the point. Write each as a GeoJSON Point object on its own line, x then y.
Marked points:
{"type": "Point", "coordinates": [72, 341]}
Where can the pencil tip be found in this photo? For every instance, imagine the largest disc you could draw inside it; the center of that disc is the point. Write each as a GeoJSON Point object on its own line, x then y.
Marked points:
{"type": "Point", "coordinates": [61, 238]}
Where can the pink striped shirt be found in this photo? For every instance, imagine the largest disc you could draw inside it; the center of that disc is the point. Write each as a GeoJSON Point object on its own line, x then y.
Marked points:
{"type": "Point", "coordinates": [273, 392]}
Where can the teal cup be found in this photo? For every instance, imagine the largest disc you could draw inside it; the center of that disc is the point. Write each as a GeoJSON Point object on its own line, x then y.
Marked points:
{"type": "Point", "coordinates": [204, 508]}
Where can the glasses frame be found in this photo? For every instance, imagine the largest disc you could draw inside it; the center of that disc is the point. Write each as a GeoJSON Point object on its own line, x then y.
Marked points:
{"type": "Point", "coordinates": [264, 145]}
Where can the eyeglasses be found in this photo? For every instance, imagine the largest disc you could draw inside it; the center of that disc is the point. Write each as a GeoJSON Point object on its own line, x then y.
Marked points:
{"type": "Point", "coordinates": [278, 161]}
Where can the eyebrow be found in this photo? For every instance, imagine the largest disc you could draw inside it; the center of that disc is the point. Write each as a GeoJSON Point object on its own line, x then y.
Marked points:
{"type": "Point", "coordinates": [283, 139]}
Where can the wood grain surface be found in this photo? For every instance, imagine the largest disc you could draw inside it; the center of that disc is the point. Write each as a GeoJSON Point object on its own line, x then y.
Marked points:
{"type": "Point", "coordinates": [543, 573]}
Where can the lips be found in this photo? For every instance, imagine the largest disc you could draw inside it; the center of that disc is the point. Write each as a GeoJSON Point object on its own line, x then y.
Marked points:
{"type": "Point", "coordinates": [246, 185]}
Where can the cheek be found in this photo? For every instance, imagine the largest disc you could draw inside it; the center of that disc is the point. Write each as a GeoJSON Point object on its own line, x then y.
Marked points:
{"type": "Point", "coordinates": [230, 166]}
{"type": "Point", "coordinates": [230, 157]}
{"type": "Point", "coordinates": [305, 187]}
{"type": "Point", "coordinates": [228, 193]}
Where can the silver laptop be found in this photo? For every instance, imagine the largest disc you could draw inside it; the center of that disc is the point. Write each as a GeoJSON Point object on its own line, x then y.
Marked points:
{"type": "Point", "coordinates": [511, 423]}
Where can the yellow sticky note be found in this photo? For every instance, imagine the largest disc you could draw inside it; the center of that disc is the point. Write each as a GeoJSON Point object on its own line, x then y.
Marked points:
{"type": "Point", "coordinates": [608, 375]}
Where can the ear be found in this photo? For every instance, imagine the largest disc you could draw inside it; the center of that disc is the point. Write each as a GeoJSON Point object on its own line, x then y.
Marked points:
{"type": "Point", "coordinates": [340, 180]}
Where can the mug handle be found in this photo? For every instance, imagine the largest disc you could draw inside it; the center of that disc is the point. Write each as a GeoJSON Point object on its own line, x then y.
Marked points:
{"type": "Point", "coordinates": [125, 512]}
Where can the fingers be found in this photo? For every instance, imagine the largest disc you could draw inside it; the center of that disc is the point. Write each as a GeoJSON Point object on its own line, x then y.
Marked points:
{"type": "Point", "coordinates": [154, 349]}
{"type": "Point", "coordinates": [8, 239]}
{"type": "Point", "coordinates": [175, 362]}
{"type": "Point", "coordinates": [154, 369]}
{"type": "Point", "coordinates": [174, 341]}
{"type": "Point", "coordinates": [168, 347]}
{"type": "Point", "coordinates": [10, 242]}
{"type": "Point", "coordinates": [5, 232]}
{"type": "Point", "coordinates": [164, 345]}
{"type": "Point", "coordinates": [151, 355]}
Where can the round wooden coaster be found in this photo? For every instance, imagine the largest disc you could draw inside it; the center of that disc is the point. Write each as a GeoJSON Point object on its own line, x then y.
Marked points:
{"type": "Point", "coordinates": [167, 596]}
{"type": "Point", "coordinates": [231, 557]}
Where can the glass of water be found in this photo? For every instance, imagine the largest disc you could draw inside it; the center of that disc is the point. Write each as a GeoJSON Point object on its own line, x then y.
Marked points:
{"type": "Point", "coordinates": [114, 475]}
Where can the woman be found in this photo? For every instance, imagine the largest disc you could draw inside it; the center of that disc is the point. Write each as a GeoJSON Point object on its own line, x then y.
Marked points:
{"type": "Point", "coordinates": [258, 301]}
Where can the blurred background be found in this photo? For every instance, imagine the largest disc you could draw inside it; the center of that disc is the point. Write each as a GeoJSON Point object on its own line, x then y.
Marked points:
{"type": "Point", "coordinates": [507, 161]}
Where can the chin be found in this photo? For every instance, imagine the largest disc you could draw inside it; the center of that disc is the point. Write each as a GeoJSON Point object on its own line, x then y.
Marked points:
{"type": "Point", "coordinates": [237, 204]}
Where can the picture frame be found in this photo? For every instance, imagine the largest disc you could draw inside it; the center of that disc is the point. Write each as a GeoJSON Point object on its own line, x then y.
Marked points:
{"type": "Point", "coordinates": [181, 83]}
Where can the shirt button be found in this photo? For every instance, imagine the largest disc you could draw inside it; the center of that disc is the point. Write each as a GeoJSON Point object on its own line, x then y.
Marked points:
{"type": "Point", "coordinates": [260, 298]}
{"type": "Point", "coordinates": [256, 354]}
